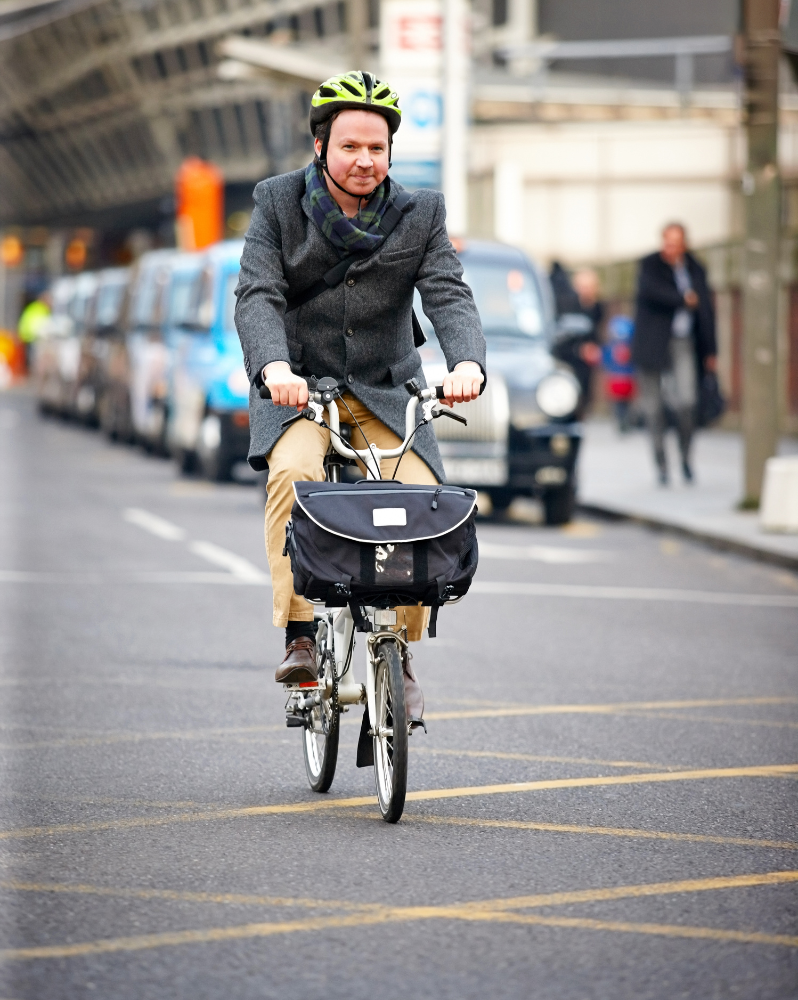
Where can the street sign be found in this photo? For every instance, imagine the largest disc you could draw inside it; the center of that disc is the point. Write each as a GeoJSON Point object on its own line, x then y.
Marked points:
{"type": "Point", "coordinates": [411, 55]}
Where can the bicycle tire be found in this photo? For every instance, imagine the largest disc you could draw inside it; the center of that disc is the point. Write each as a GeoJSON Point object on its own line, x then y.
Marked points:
{"type": "Point", "coordinates": [320, 748]}
{"type": "Point", "coordinates": [390, 731]}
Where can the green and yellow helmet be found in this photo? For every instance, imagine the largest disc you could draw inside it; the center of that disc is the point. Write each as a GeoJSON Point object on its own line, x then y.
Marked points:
{"type": "Point", "coordinates": [356, 90]}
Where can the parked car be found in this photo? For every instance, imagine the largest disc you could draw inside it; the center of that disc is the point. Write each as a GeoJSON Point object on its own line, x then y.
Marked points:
{"type": "Point", "coordinates": [55, 331]}
{"type": "Point", "coordinates": [208, 422]}
{"type": "Point", "coordinates": [522, 437]}
{"type": "Point", "coordinates": [152, 347]}
{"type": "Point", "coordinates": [56, 360]}
{"type": "Point", "coordinates": [102, 326]}
{"type": "Point", "coordinates": [137, 361]}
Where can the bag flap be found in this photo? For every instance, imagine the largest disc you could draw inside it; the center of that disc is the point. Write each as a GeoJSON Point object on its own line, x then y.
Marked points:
{"type": "Point", "coordinates": [379, 512]}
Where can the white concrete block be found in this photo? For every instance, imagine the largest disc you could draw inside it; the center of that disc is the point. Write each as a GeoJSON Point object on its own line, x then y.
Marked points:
{"type": "Point", "coordinates": [778, 510]}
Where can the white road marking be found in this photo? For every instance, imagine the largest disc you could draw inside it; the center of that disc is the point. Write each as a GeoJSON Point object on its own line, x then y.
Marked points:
{"type": "Point", "coordinates": [542, 553]}
{"type": "Point", "coordinates": [240, 568]}
{"type": "Point", "coordinates": [247, 574]}
{"type": "Point", "coordinates": [154, 524]}
{"type": "Point", "coordinates": [633, 594]}
{"type": "Point", "coordinates": [226, 579]}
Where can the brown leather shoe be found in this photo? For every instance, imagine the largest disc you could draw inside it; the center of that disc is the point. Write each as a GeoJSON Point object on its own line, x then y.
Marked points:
{"type": "Point", "coordinates": [299, 665]}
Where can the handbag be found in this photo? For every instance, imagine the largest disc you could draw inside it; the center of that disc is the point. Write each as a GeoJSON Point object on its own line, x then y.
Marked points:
{"type": "Point", "coordinates": [382, 543]}
{"type": "Point", "coordinates": [711, 404]}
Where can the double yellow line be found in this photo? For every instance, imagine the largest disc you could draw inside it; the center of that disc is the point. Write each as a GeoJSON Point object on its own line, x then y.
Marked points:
{"type": "Point", "coordinates": [509, 910]}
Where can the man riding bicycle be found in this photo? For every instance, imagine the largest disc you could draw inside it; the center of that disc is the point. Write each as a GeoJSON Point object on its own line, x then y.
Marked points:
{"type": "Point", "coordinates": [359, 330]}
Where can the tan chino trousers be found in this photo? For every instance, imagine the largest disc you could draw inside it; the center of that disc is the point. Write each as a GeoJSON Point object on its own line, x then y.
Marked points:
{"type": "Point", "coordinates": [298, 456]}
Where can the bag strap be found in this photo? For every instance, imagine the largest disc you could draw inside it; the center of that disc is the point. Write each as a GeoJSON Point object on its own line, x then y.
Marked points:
{"type": "Point", "coordinates": [332, 278]}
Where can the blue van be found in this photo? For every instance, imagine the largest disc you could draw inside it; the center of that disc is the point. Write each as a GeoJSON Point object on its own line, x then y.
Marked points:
{"type": "Point", "coordinates": [208, 410]}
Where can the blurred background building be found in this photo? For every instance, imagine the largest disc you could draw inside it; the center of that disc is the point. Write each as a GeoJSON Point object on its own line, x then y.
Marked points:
{"type": "Point", "coordinates": [575, 128]}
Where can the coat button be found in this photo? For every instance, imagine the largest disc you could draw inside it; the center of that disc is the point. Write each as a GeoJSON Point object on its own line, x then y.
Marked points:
{"type": "Point", "coordinates": [350, 332]}
{"type": "Point", "coordinates": [350, 281]}
{"type": "Point", "coordinates": [350, 379]}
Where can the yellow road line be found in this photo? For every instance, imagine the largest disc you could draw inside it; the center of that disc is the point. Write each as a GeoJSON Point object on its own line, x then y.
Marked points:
{"type": "Point", "coordinates": [609, 709]}
{"type": "Point", "coordinates": [541, 758]}
{"type": "Point", "coordinates": [625, 927]}
{"type": "Point", "coordinates": [319, 805]}
{"type": "Point", "coordinates": [177, 895]}
{"type": "Point", "coordinates": [495, 910]}
{"type": "Point", "coordinates": [605, 831]}
{"type": "Point", "coordinates": [724, 719]}
{"type": "Point", "coordinates": [103, 739]}
{"type": "Point", "coordinates": [489, 710]}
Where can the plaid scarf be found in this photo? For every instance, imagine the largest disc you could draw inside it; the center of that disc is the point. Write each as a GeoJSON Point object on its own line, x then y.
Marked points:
{"type": "Point", "coordinates": [361, 232]}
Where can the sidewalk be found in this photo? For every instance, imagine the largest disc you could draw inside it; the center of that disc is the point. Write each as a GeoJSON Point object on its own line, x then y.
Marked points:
{"type": "Point", "coordinates": [616, 476]}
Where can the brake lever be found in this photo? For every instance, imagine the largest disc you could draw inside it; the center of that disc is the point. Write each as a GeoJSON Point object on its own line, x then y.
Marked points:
{"type": "Point", "coordinates": [313, 411]}
{"type": "Point", "coordinates": [454, 416]}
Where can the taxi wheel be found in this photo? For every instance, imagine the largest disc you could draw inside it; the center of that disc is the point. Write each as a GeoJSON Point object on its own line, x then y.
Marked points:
{"type": "Point", "coordinates": [559, 504]}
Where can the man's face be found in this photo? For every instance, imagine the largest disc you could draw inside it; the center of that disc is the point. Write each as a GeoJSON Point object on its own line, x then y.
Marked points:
{"type": "Point", "coordinates": [357, 153]}
{"type": "Point", "coordinates": [673, 245]}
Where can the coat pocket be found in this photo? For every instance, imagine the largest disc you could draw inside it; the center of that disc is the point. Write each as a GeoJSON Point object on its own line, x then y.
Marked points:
{"type": "Point", "coordinates": [415, 251]}
{"type": "Point", "coordinates": [403, 369]}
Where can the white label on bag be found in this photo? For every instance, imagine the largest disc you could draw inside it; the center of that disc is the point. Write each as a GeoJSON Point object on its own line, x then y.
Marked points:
{"type": "Point", "coordinates": [384, 516]}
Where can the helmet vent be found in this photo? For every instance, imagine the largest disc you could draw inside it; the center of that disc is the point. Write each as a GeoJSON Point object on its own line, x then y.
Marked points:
{"type": "Point", "coordinates": [350, 88]}
{"type": "Point", "coordinates": [381, 94]}
{"type": "Point", "coordinates": [327, 92]}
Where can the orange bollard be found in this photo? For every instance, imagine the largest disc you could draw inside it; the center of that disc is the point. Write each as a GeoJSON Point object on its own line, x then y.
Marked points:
{"type": "Point", "coordinates": [200, 204]}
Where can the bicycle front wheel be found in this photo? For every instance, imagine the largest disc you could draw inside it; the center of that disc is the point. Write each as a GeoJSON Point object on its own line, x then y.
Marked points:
{"type": "Point", "coordinates": [390, 731]}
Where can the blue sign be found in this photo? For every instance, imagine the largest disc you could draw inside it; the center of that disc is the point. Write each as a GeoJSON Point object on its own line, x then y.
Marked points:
{"type": "Point", "coordinates": [424, 109]}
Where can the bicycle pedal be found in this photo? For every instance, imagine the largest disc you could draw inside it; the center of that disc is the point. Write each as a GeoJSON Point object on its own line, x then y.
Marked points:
{"type": "Point", "coordinates": [295, 722]}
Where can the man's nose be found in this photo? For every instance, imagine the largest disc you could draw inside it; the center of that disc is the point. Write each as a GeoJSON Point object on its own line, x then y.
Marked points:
{"type": "Point", "coordinates": [364, 158]}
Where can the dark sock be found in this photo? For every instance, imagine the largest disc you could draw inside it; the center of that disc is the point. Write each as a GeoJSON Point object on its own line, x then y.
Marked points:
{"type": "Point", "coordinates": [296, 630]}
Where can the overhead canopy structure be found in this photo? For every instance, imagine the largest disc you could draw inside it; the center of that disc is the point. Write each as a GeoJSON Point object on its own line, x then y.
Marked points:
{"type": "Point", "coordinates": [101, 100]}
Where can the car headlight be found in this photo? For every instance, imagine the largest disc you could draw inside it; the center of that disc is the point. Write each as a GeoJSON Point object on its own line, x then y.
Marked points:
{"type": "Point", "coordinates": [557, 394]}
{"type": "Point", "coordinates": [238, 383]}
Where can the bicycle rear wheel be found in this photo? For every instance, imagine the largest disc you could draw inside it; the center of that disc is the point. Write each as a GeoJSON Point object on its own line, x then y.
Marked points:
{"type": "Point", "coordinates": [320, 736]}
{"type": "Point", "coordinates": [390, 731]}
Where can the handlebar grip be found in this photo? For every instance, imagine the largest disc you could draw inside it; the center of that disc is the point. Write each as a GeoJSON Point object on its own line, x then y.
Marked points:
{"type": "Point", "coordinates": [439, 393]}
{"type": "Point", "coordinates": [264, 392]}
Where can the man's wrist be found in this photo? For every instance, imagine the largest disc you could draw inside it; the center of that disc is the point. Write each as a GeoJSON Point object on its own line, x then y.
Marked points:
{"type": "Point", "coordinates": [272, 365]}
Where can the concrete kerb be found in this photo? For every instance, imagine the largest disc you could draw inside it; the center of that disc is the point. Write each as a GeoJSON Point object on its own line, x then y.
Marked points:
{"type": "Point", "coordinates": [721, 542]}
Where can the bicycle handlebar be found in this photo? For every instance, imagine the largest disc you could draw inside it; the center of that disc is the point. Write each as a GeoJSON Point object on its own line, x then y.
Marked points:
{"type": "Point", "coordinates": [323, 394]}
{"type": "Point", "coordinates": [265, 393]}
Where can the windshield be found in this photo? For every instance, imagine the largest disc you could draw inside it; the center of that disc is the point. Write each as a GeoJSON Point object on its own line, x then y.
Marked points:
{"type": "Point", "coordinates": [109, 299]}
{"type": "Point", "coordinates": [180, 298]}
{"type": "Point", "coordinates": [507, 299]}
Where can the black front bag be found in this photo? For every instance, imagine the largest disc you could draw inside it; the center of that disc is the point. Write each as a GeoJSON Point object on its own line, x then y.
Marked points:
{"type": "Point", "coordinates": [382, 544]}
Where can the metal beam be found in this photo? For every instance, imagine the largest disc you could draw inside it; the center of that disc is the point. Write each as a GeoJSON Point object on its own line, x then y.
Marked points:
{"type": "Point", "coordinates": [623, 48]}
{"type": "Point", "coordinates": [301, 67]}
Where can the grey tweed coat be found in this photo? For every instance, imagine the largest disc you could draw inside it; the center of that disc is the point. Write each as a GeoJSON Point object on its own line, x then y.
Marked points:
{"type": "Point", "coordinates": [360, 332]}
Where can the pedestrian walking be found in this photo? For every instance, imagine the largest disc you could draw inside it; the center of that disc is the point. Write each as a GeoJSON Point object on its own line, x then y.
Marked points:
{"type": "Point", "coordinates": [577, 343]}
{"type": "Point", "coordinates": [674, 342]}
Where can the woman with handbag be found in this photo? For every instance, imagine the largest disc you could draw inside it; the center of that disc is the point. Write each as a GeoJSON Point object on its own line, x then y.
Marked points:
{"type": "Point", "coordinates": [674, 342]}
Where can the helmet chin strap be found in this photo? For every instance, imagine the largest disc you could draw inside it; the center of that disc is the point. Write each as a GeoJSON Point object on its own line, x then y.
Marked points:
{"type": "Point", "coordinates": [360, 197]}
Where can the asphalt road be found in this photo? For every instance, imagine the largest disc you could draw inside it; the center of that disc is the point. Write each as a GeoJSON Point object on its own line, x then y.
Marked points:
{"type": "Point", "coordinates": [604, 806]}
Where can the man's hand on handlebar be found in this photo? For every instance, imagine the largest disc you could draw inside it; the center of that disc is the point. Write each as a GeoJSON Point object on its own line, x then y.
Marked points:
{"type": "Point", "coordinates": [286, 388]}
{"type": "Point", "coordinates": [462, 384]}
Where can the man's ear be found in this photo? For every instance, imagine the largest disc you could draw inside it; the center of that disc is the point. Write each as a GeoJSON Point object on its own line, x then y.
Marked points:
{"type": "Point", "coordinates": [317, 146]}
